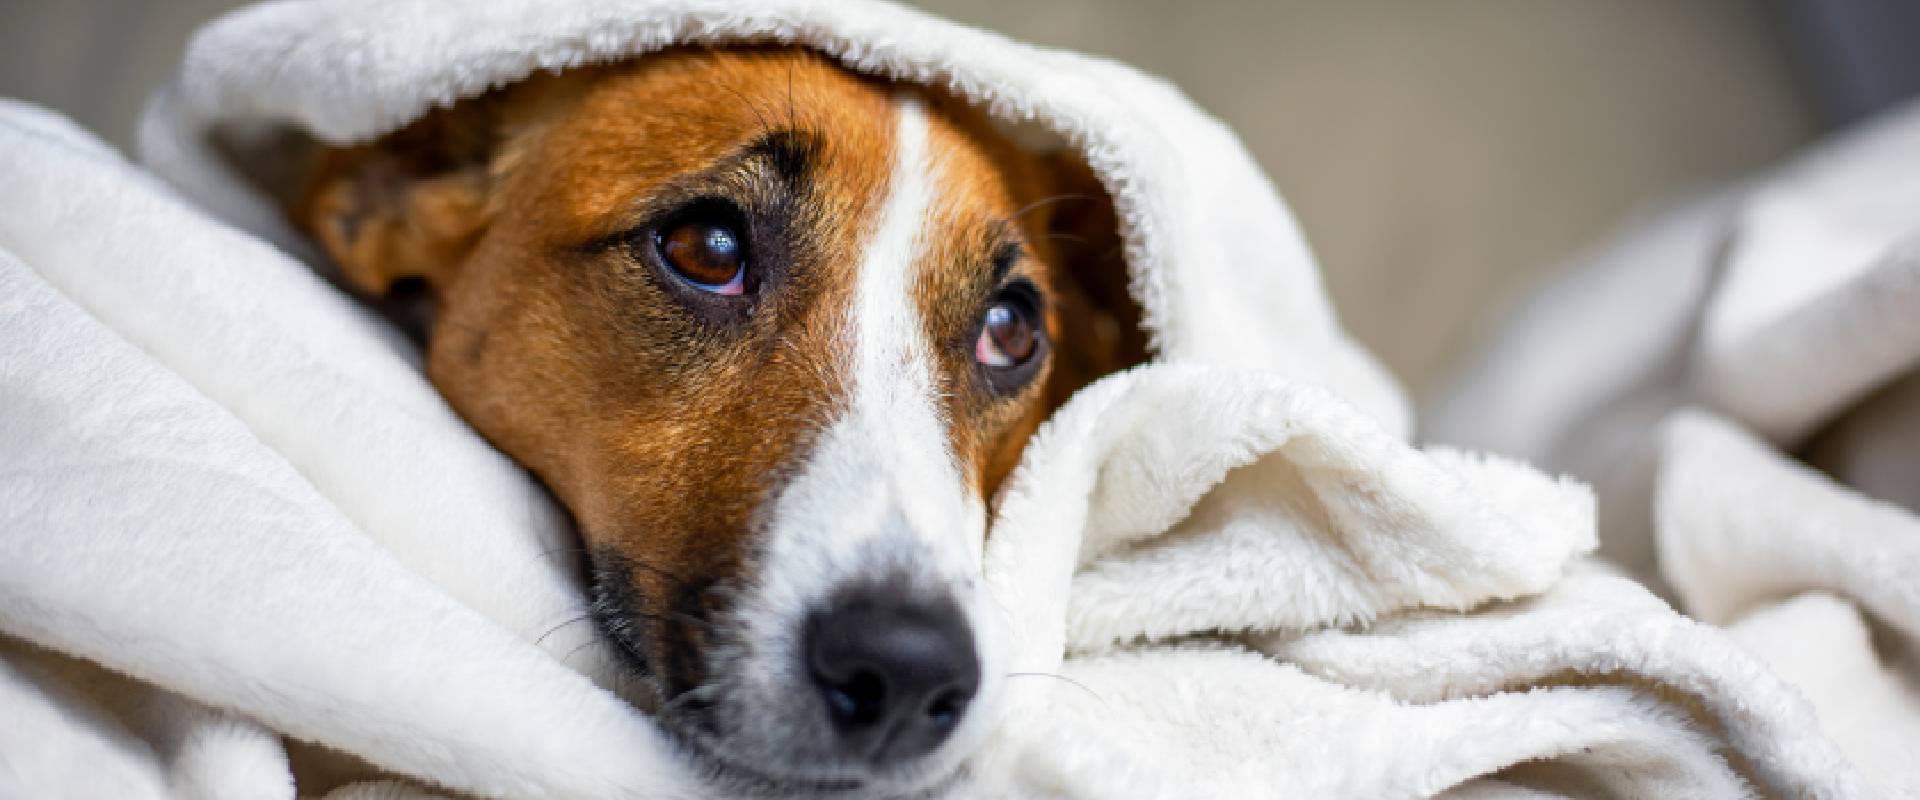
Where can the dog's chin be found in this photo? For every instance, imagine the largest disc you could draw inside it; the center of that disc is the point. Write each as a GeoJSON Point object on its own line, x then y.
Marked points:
{"type": "Point", "coordinates": [756, 775]}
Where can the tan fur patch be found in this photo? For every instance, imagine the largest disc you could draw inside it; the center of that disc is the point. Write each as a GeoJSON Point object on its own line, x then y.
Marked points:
{"type": "Point", "coordinates": [662, 430]}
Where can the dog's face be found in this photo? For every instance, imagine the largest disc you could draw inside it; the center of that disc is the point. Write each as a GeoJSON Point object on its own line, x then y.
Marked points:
{"type": "Point", "coordinates": [773, 333]}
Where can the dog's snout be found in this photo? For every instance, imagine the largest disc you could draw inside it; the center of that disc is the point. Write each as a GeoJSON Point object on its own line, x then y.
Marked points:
{"type": "Point", "coordinates": [896, 674]}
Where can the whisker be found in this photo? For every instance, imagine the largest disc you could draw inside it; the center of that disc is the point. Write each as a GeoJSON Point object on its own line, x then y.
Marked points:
{"type": "Point", "coordinates": [576, 650]}
{"type": "Point", "coordinates": [551, 631]}
{"type": "Point", "coordinates": [1044, 201]}
{"type": "Point", "coordinates": [614, 616]}
{"type": "Point", "coordinates": [766, 128]}
{"type": "Point", "coordinates": [1079, 240]}
{"type": "Point", "coordinates": [1083, 687]}
{"type": "Point", "coordinates": [793, 122]}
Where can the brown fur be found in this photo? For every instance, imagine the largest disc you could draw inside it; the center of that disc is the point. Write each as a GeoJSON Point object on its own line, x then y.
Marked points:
{"type": "Point", "coordinates": [663, 428]}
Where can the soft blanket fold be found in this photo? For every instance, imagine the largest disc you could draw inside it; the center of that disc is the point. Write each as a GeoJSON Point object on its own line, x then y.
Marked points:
{"type": "Point", "coordinates": [1794, 335]}
{"type": "Point", "coordinates": [1224, 573]}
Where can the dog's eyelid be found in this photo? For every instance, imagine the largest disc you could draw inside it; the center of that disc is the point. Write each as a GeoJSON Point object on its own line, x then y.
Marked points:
{"type": "Point", "coordinates": [1005, 257]}
{"type": "Point", "coordinates": [645, 218]}
{"type": "Point", "coordinates": [1023, 287]}
{"type": "Point", "coordinates": [756, 180]}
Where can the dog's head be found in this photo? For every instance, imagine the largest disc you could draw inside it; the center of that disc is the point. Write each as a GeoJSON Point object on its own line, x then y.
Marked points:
{"type": "Point", "coordinates": [773, 333]}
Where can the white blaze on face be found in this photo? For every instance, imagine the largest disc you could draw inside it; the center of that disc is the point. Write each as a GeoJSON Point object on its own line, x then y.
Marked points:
{"type": "Point", "coordinates": [880, 496]}
{"type": "Point", "coordinates": [881, 489]}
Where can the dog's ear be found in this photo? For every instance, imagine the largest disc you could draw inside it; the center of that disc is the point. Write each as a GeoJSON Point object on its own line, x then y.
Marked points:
{"type": "Point", "coordinates": [408, 206]}
{"type": "Point", "coordinates": [1099, 317]}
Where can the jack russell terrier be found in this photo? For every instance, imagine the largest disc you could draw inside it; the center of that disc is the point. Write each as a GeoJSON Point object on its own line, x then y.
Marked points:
{"type": "Point", "coordinates": [773, 332]}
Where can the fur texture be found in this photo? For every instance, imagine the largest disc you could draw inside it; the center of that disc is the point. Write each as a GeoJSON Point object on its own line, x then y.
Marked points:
{"type": "Point", "coordinates": [1792, 333]}
{"type": "Point", "coordinates": [1221, 574]}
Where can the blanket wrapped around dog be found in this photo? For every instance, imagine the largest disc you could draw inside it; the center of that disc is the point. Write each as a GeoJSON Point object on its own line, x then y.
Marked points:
{"type": "Point", "coordinates": [1786, 313]}
{"type": "Point", "coordinates": [247, 551]}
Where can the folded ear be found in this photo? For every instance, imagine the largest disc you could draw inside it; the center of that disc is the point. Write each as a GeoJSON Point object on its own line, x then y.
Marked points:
{"type": "Point", "coordinates": [407, 206]}
{"type": "Point", "coordinates": [1099, 318]}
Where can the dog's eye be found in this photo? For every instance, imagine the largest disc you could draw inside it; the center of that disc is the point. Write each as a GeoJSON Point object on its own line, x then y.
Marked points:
{"type": "Point", "coordinates": [707, 250]}
{"type": "Point", "coordinates": [1009, 333]}
{"type": "Point", "coordinates": [1006, 337]}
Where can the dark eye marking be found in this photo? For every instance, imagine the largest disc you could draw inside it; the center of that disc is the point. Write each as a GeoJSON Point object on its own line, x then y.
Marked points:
{"type": "Point", "coordinates": [791, 155]}
{"type": "Point", "coordinates": [1003, 260]}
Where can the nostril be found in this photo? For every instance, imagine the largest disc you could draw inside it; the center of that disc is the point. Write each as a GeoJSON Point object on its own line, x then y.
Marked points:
{"type": "Point", "coordinates": [945, 708]}
{"type": "Point", "coordinates": [858, 700]}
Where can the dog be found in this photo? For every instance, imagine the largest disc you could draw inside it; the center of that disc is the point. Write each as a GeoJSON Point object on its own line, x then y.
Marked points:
{"type": "Point", "coordinates": [774, 333]}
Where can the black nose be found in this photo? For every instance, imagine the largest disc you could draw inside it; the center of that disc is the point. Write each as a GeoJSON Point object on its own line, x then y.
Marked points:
{"type": "Point", "coordinates": [896, 674]}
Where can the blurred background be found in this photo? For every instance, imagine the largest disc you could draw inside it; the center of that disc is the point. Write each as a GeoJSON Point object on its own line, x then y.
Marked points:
{"type": "Point", "coordinates": [1443, 156]}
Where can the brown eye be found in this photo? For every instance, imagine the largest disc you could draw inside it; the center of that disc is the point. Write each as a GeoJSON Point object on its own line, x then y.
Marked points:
{"type": "Point", "coordinates": [707, 251]}
{"type": "Point", "coordinates": [1010, 338]}
{"type": "Point", "coordinates": [1006, 338]}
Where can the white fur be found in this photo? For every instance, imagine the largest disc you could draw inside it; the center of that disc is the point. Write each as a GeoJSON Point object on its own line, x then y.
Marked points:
{"type": "Point", "coordinates": [880, 493]}
{"type": "Point", "coordinates": [884, 467]}
{"type": "Point", "coordinates": [228, 482]}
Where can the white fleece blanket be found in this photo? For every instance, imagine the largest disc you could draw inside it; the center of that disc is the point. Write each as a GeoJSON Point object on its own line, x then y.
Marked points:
{"type": "Point", "coordinates": [1778, 309]}
{"type": "Point", "coordinates": [246, 551]}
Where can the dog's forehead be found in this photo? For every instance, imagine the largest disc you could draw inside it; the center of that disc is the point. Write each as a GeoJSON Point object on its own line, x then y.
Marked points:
{"type": "Point", "coordinates": [628, 132]}
{"type": "Point", "coordinates": [608, 137]}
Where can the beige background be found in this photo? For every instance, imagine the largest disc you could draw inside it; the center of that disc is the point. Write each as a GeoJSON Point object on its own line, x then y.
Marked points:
{"type": "Point", "coordinates": [1441, 154]}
